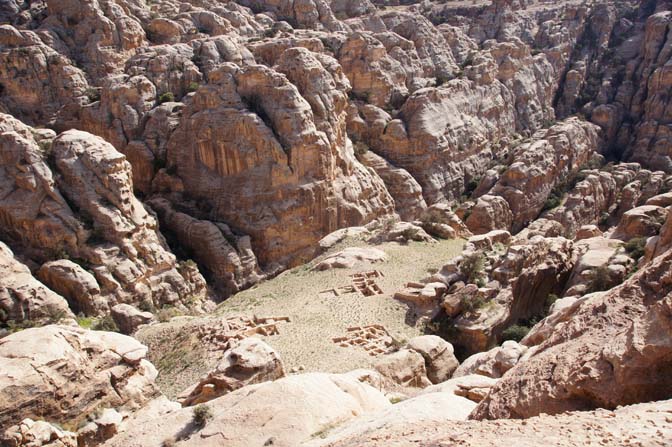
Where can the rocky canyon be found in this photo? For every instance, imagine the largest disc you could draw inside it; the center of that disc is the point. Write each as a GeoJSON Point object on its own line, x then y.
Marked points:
{"type": "Point", "coordinates": [292, 223]}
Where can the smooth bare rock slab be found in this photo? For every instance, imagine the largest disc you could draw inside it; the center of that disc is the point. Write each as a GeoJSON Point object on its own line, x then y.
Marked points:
{"type": "Point", "coordinates": [440, 362]}
{"type": "Point", "coordinates": [350, 257]}
{"type": "Point", "coordinates": [250, 361]}
{"type": "Point", "coordinates": [45, 367]}
{"type": "Point", "coordinates": [474, 387]}
{"type": "Point", "coordinates": [290, 410]}
{"type": "Point", "coordinates": [22, 297]}
{"type": "Point", "coordinates": [439, 408]}
{"type": "Point", "coordinates": [609, 353]}
{"type": "Point", "coordinates": [648, 424]}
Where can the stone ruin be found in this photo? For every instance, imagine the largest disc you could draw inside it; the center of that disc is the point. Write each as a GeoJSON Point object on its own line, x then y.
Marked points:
{"type": "Point", "coordinates": [220, 335]}
{"type": "Point", "coordinates": [365, 283]}
{"type": "Point", "coordinates": [374, 339]}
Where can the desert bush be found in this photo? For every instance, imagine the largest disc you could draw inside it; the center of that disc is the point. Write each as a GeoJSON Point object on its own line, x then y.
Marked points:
{"type": "Point", "coordinates": [601, 279]}
{"type": "Point", "coordinates": [166, 313]}
{"type": "Point", "coordinates": [202, 414]}
{"type": "Point", "coordinates": [166, 97]}
{"type": "Point", "coordinates": [472, 266]}
{"type": "Point", "coordinates": [635, 247]}
{"type": "Point", "coordinates": [105, 324]}
{"type": "Point", "coordinates": [193, 86]}
{"type": "Point", "coordinates": [470, 304]}
{"type": "Point", "coordinates": [515, 332]}
{"type": "Point", "coordinates": [85, 322]}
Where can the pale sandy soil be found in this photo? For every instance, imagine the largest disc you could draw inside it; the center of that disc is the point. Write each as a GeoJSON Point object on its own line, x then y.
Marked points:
{"type": "Point", "coordinates": [306, 341]}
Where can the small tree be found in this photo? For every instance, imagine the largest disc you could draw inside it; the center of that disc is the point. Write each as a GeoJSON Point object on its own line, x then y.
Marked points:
{"type": "Point", "coordinates": [472, 267]}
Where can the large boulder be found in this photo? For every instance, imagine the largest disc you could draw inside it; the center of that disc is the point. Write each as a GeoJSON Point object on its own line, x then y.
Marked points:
{"type": "Point", "coordinates": [440, 362]}
{"type": "Point", "coordinates": [250, 361]}
{"type": "Point", "coordinates": [45, 368]}
{"type": "Point", "coordinates": [129, 318]}
{"type": "Point", "coordinates": [22, 297]}
{"type": "Point", "coordinates": [405, 368]}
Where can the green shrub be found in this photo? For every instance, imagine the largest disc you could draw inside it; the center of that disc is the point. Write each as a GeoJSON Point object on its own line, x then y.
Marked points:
{"type": "Point", "coordinates": [193, 86]}
{"type": "Point", "coordinates": [166, 97]}
{"type": "Point", "coordinates": [105, 324]}
{"type": "Point", "coordinates": [601, 279]}
{"type": "Point", "coordinates": [472, 267]}
{"type": "Point", "coordinates": [201, 415]}
{"type": "Point", "coordinates": [550, 300]}
{"type": "Point", "coordinates": [553, 201]}
{"type": "Point", "coordinates": [635, 247]}
{"type": "Point", "coordinates": [515, 332]}
{"type": "Point", "coordinates": [469, 304]}
{"type": "Point", "coordinates": [165, 314]}
{"type": "Point", "coordinates": [85, 322]}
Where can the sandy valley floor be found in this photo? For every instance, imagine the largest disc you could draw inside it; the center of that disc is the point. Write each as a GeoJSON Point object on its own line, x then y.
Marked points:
{"type": "Point", "coordinates": [305, 341]}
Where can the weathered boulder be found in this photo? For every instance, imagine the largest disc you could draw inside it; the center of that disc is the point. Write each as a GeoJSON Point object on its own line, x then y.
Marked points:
{"type": "Point", "coordinates": [405, 368]}
{"type": "Point", "coordinates": [642, 221]}
{"type": "Point", "coordinates": [440, 362]}
{"type": "Point", "coordinates": [248, 362]}
{"type": "Point", "coordinates": [493, 363]}
{"type": "Point", "coordinates": [75, 283]}
{"type": "Point", "coordinates": [45, 367]}
{"type": "Point", "coordinates": [129, 318]}
{"type": "Point", "coordinates": [490, 213]}
{"type": "Point", "coordinates": [473, 387]}
{"type": "Point", "coordinates": [30, 433]}
{"type": "Point", "coordinates": [22, 297]}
